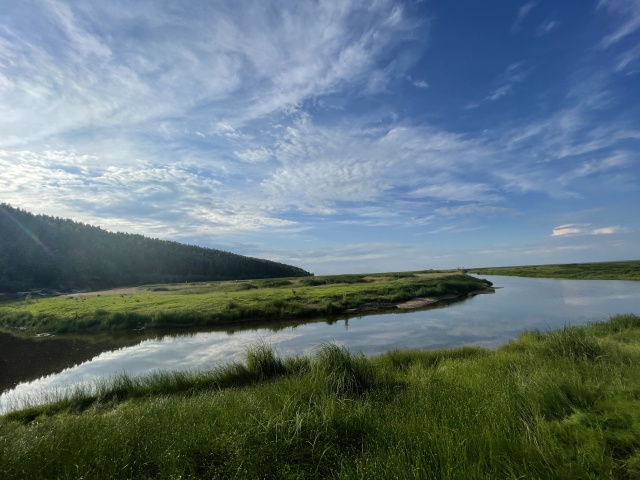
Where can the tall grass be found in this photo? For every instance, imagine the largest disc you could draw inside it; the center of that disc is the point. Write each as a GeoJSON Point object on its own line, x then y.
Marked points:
{"type": "Point", "coordinates": [562, 404]}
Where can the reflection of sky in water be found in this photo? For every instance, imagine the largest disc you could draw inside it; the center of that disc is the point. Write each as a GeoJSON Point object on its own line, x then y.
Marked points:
{"type": "Point", "coordinates": [487, 320]}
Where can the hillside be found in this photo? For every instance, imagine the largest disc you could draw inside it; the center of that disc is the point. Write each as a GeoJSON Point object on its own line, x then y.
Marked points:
{"type": "Point", "coordinates": [44, 252]}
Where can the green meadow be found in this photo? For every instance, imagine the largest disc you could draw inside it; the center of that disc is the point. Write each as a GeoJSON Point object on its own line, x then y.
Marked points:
{"type": "Point", "coordinates": [563, 404]}
{"type": "Point", "coordinates": [627, 270]}
{"type": "Point", "coordinates": [219, 303]}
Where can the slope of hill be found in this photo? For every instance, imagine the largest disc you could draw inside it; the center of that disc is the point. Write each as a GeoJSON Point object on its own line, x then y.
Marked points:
{"type": "Point", "coordinates": [43, 252]}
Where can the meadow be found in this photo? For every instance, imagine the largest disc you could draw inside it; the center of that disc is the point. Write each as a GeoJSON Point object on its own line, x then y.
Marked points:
{"type": "Point", "coordinates": [220, 303]}
{"type": "Point", "coordinates": [563, 404]}
{"type": "Point", "coordinates": [627, 270]}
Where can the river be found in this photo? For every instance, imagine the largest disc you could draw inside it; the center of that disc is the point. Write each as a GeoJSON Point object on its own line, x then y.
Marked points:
{"type": "Point", "coordinates": [488, 320]}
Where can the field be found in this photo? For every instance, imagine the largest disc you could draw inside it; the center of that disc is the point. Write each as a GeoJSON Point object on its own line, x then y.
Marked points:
{"type": "Point", "coordinates": [220, 303]}
{"type": "Point", "coordinates": [628, 270]}
{"type": "Point", "coordinates": [563, 404]}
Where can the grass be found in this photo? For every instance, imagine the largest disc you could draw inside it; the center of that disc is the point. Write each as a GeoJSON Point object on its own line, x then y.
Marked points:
{"type": "Point", "coordinates": [218, 303]}
{"type": "Point", "coordinates": [563, 404]}
{"type": "Point", "coordinates": [628, 270]}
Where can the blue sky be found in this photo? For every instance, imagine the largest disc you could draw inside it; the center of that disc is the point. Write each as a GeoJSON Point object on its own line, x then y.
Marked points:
{"type": "Point", "coordinates": [340, 136]}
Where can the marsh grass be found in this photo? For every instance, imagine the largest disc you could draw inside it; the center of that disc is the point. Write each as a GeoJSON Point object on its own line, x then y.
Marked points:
{"type": "Point", "coordinates": [225, 302]}
{"type": "Point", "coordinates": [627, 270]}
{"type": "Point", "coordinates": [563, 404]}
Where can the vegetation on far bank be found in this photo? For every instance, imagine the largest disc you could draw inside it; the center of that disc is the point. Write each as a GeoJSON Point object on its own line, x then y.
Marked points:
{"type": "Point", "coordinates": [627, 270]}
{"type": "Point", "coordinates": [218, 303]}
{"type": "Point", "coordinates": [563, 404]}
{"type": "Point", "coordinates": [43, 252]}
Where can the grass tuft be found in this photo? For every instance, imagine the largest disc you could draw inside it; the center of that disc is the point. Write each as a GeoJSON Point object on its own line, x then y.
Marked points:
{"type": "Point", "coordinates": [574, 343]}
{"type": "Point", "coordinates": [343, 373]}
{"type": "Point", "coordinates": [263, 361]}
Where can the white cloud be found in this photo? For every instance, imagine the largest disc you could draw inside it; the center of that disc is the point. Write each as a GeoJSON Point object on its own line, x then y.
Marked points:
{"type": "Point", "coordinates": [221, 65]}
{"type": "Point", "coordinates": [570, 229]}
{"type": "Point", "coordinates": [169, 200]}
{"type": "Point", "coordinates": [322, 167]}
{"type": "Point", "coordinates": [547, 27]}
{"type": "Point", "coordinates": [628, 61]}
{"type": "Point", "coordinates": [583, 229]}
{"type": "Point", "coordinates": [474, 209]}
{"type": "Point", "coordinates": [514, 74]}
{"type": "Point", "coordinates": [457, 191]}
{"type": "Point", "coordinates": [255, 155]}
{"type": "Point", "coordinates": [629, 12]}
{"type": "Point", "coordinates": [523, 12]}
{"type": "Point", "coordinates": [606, 230]}
{"type": "Point", "coordinates": [592, 167]}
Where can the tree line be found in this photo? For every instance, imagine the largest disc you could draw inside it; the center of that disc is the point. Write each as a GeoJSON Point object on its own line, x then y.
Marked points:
{"type": "Point", "coordinates": [45, 252]}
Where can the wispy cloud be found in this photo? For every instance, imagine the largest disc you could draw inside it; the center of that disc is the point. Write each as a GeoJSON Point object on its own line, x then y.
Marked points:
{"type": "Point", "coordinates": [255, 155]}
{"type": "Point", "coordinates": [170, 200]}
{"type": "Point", "coordinates": [262, 62]}
{"type": "Point", "coordinates": [570, 229]}
{"type": "Point", "coordinates": [321, 167]}
{"type": "Point", "coordinates": [613, 161]}
{"type": "Point", "coordinates": [606, 230]}
{"type": "Point", "coordinates": [628, 61]}
{"type": "Point", "coordinates": [513, 75]}
{"type": "Point", "coordinates": [547, 27]}
{"type": "Point", "coordinates": [474, 209]}
{"type": "Point", "coordinates": [583, 229]}
{"type": "Point", "coordinates": [523, 12]}
{"type": "Point", "coordinates": [629, 13]}
{"type": "Point", "coordinates": [457, 191]}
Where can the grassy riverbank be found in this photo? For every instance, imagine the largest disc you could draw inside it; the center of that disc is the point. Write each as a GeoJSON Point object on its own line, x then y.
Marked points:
{"type": "Point", "coordinates": [563, 405]}
{"type": "Point", "coordinates": [219, 303]}
{"type": "Point", "coordinates": [628, 270]}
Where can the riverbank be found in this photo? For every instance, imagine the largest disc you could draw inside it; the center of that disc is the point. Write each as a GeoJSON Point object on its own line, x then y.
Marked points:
{"type": "Point", "coordinates": [627, 270]}
{"type": "Point", "coordinates": [222, 303]}
{"type": "Point", "coordinates": [563, 404]}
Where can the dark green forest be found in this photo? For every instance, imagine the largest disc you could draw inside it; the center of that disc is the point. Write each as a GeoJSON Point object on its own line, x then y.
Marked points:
{"type": "Point", "coordinates": [44, 252]}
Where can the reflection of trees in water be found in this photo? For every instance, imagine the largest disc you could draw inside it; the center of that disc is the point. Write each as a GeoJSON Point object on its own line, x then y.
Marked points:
{"type": "Point", "coordinates": [27, 359]}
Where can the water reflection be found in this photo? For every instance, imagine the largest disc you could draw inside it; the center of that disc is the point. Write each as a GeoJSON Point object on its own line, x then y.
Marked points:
{"type": "Point", "coordinates": [487, 320]}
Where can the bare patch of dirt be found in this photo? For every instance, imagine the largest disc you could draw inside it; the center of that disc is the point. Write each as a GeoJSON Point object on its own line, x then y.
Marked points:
{"type": "Point", "coordinates": [423, 302]}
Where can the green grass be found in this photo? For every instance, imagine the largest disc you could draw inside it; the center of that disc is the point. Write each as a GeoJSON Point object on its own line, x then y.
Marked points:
{"type": "Point", "coordinates": [563, 404]}
{"type": "Point", "coordinates": [217, 303]}
{"type": "Point", "coordinates": [629, 270]}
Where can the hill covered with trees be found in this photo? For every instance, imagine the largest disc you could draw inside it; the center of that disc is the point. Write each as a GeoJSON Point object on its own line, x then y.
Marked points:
{"type": "Point", "coordinates": [44, 252]}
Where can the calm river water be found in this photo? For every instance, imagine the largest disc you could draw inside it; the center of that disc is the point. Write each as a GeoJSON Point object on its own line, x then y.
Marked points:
{"type": "Point", "coordinates": [488, 320]}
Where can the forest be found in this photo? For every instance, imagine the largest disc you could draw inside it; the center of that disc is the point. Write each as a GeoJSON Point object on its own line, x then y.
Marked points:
{"type": "Point", "coordinates": [40, 252]}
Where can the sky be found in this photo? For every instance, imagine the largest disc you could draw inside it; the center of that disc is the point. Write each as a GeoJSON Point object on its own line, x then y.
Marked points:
{"type": "Point", "coordinates": [339, 136]}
